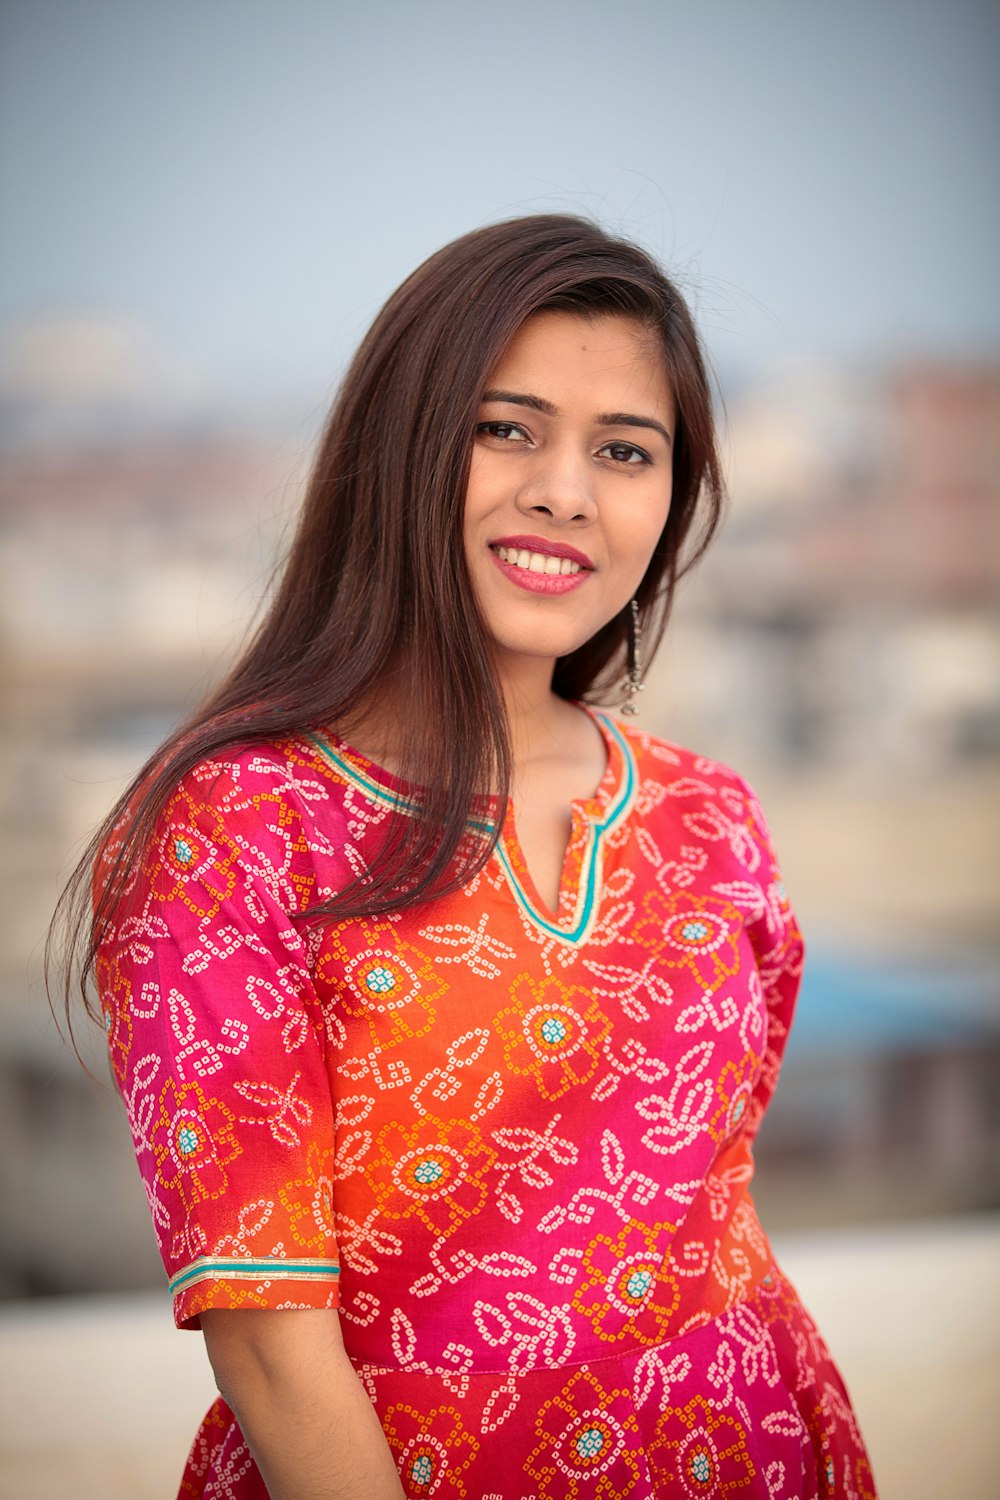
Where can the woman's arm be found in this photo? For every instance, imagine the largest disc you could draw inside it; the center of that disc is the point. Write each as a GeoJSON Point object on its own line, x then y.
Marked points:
{"type": "Point", "coordinates": [300, 1405]}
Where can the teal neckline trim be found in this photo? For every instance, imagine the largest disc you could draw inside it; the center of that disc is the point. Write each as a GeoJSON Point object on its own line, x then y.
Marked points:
{"type": "Point", "coordinates": [375, 789]}
{"type": "Point", "coordinates": [238, 1268]}
{"type": "Point", "coordinates": [589, 884]}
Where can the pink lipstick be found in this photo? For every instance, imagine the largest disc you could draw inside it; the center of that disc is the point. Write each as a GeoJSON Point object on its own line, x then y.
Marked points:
{"type": "Point", "coordinates": [546, 548]}
{"type": "Point", "coordinates": [541, 566]}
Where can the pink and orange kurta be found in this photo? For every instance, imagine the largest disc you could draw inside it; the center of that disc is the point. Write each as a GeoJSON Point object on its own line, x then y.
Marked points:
{"type": "Point", "coordinates": [512, 1145]}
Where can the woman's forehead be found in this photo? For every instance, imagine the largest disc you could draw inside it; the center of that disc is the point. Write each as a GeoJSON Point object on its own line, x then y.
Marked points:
{"type": "Point", "coordinates": [604, 357]}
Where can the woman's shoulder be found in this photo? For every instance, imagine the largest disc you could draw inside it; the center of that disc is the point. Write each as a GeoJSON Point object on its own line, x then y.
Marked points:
{"type": "Point", "coordinates": [712, 801]}
{"type": "Point", "coordinates": [271, 811]}
{"type": "Point", "coordinates": [270, 780]}
{"type": "Point", "coordinates": [676, 766]}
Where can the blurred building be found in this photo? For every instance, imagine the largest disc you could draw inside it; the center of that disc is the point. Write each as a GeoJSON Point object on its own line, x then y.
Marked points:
{"type": "Point", "coordinates": [855, 598]}
{"type": "Point", "coordinates": [842, 646]}
{"type": "Point", "coordinates": [130, 572]}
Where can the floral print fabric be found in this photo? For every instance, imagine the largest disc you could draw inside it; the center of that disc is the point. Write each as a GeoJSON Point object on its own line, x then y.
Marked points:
{"type": "Point", "coordinates": [512, 1145]}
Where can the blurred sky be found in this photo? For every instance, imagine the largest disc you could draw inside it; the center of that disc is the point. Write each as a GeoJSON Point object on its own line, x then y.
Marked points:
{"type": "Point", "coordinates": [249, 179]}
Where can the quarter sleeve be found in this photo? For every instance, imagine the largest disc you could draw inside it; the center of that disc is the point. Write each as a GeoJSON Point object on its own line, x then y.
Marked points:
{"type": "Point", "coordinates": [778, 947]}
{"type": "Point", "coordinates": [218, 1048]}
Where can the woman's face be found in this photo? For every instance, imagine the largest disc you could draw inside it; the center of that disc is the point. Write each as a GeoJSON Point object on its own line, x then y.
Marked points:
{"type": "Point", "coordinates": [570, 481]}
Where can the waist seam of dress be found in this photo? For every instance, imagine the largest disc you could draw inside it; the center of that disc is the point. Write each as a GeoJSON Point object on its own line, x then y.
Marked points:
{"type": "Point", "coordinates": [633, 1350]}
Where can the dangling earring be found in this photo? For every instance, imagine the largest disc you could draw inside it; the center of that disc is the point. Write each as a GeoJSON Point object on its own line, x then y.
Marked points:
{"type": "Point", "coordinates": [633, 640]}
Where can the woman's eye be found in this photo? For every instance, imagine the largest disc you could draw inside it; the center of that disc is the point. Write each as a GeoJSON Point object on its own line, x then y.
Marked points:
{"type": "Point", "coordinates": [505, 431]}
{"type": "Point", "coordinates": [626, 453]}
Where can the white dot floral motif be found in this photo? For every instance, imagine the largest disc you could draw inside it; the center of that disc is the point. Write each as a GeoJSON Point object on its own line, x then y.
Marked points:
{"type": "Point", "coordinates": [706, 1447]}
{"type": "Point", "coordinates": [381, 976]}
{"type": "Point", "coordinates": [591, 1444]}
{"type": "Point", "coordinates": [626, 1292]}
{"type": "Point", "coordinates": [631, 1284]}
{"type": "Point", "coordinates": [431, 1448]}
{"type": "Point", "coordinates": [435, 1170]}
{"type": "Point", "coordinates": [692, 932]}
{"type": "Point", "coordinates": [696, 930]}
{"type": "Point", "coordinates": [552, 1033]}
{"type": "Point", "coordinates": [417, 1170]}
{"type": "Point", "coordinates": [193, 1141]}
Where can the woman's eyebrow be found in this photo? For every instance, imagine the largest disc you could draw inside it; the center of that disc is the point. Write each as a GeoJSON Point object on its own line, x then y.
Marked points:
{"type": "Point", "coordinates": [606, 419]}
{"type": "Point", "coordinates": [516, 399]}
{"type": "Point", "coordinates": [629, 419]}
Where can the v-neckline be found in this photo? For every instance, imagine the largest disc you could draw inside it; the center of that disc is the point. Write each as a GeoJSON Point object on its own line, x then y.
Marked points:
{"type": "Point", "coordinates": [590, 819]}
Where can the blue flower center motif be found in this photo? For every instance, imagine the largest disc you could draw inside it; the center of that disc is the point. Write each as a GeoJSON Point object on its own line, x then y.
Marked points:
{"type": "Point", "coordinates": [428, 1171]}
{"type": "Point", "coordinates": [422, 1470]}
{"type": "Point", "coordinates": [553, 1030]}
{"type": "Point", "coordinates": [738, 1108]}
{"type": "Point", "coordinates": [638, 1285]}
{"type": "Point", "coordinates": [183, 851]}
{"type": "Point", "coordinates": [108, 1020]}
{"type": "Point", "coordinates": [589, 1442]}
{"type": "Point", "coordinates": [829, 1471]}
{"type": "Point", "coordinates": [701, 1467]}
{"type": "Point", "coordinates": [694, 932]}
{"type": "Point", "coordinates": [380, 980]}
{"type": "Point", "coordinates": [187, 1140]}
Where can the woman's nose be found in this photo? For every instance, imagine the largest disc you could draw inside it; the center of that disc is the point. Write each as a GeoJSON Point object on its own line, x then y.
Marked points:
{"type": "Point", "coordinates": [561, 484]}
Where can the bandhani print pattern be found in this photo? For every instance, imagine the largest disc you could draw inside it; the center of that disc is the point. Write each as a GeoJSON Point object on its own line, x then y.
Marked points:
{"type": "Point", "coordinates": [511, 1145]}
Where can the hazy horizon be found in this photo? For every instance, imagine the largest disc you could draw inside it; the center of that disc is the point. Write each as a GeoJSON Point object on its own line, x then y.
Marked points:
{"type": "Point", "coordinates": [242, 186]}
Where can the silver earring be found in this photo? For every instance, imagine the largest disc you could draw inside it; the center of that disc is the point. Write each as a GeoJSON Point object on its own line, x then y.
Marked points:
{"type": "Point", "coordinates": [632, 643]}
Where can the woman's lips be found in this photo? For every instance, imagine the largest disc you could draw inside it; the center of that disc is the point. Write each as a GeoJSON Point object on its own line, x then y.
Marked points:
{"type": "Point", "coordinates": [543, 546]}
{"type": "Point", "coordinates": [540, 583]}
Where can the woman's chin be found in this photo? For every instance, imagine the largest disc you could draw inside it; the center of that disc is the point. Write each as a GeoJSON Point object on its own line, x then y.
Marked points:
{"type": "Point", "coordinates": [538, 645]}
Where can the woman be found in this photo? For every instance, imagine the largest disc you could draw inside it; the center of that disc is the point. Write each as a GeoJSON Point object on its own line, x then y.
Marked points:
{"type": "Point", "coordinates": [445, 1006]}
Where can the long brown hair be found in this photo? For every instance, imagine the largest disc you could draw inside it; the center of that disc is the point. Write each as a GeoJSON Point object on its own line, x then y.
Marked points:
{"type": "Point", "coordinates": [376, 578]}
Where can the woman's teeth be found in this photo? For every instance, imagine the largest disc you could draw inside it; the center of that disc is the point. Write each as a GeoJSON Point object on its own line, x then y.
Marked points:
{"type": "Point", "coordinates": [537, 562]}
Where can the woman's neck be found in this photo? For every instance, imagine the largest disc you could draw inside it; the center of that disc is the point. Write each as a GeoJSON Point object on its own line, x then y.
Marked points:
{"type": "Point", "coordinates": [543, 726]}
{"type": "Point", "coordinates": [534, 712]}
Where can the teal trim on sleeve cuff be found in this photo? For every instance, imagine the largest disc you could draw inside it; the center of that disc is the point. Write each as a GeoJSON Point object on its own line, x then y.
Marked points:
{"type": "Point", "coordinates": [221, 1268]}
